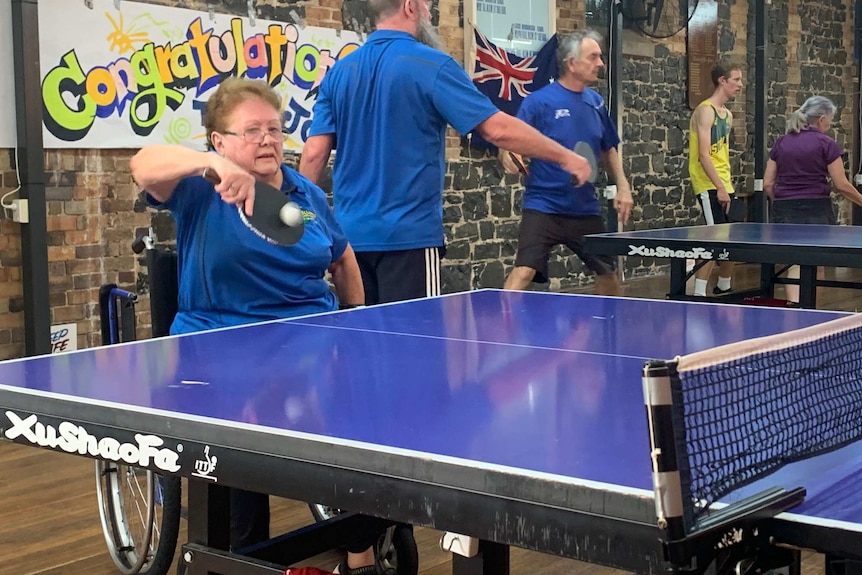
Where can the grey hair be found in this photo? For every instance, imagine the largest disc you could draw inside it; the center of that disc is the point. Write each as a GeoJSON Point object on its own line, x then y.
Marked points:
{"type": "Point", "coordinates": [380, 9]}
{"type": "Point", "coordinates": [570, 45]}
{"type": "Point", "coordinates": [813, 109]}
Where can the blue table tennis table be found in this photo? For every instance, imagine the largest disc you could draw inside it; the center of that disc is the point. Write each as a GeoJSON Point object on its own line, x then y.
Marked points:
{"type": "Point", "coordinates": [516, 418]}
{"type": "Point", "coordinates": [808, 246]}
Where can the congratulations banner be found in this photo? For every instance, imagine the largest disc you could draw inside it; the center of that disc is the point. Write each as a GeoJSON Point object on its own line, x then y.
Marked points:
{"type": "Point", "coordinates": [142, 74]}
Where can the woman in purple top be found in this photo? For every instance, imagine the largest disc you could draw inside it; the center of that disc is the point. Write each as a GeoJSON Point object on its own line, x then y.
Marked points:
{"type": "Point", "coordinates": [798, 172]}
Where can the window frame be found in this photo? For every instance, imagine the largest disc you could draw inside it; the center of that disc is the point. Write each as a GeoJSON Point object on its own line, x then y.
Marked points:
{"type": "Point", "coordinates": [470, 16]}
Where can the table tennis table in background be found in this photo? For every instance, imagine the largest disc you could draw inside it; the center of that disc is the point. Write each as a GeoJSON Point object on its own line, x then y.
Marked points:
{"type": "Point", "coordinates": [808, 246]}
{"type": "Point", "coordinates": [517, 418]}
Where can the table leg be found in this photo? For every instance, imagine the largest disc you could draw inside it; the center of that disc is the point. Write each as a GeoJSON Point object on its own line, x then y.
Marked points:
{"type": "Point", "coordinates": [767, 280]}
{"type": "Point", "coordinates": [677, 279]}
{"type": "Point", "coordinates": [808, 286]}
{"type": "Point", "coordinates": [209, 520]}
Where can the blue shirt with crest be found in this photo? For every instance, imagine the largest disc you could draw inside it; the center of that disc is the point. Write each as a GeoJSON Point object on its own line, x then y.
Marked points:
{"type": "Point", "coordinates": [567, 117]}
{"type": "Point", "coordinates": [229, 276]}
{"type": "Point", "coordinates": [387, 105]}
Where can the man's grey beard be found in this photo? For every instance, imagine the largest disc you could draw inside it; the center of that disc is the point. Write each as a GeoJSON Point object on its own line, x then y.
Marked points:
{"type": "Point", "coordinates": [428, 35]}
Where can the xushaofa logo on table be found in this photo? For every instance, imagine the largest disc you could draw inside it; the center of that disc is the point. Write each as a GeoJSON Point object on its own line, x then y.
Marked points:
{"type": "Point", "coordinates": [663, 252]}
{"type": "Point", "coordinates": [73, 438]}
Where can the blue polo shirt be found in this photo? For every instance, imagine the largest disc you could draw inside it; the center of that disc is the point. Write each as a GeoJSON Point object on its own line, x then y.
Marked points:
{"type": "Point", "coordinates": [388, 105]}
{"type": "Point", "coordinates": [229, 276]}
{"type": "Point", "coordinates": [566, 117]}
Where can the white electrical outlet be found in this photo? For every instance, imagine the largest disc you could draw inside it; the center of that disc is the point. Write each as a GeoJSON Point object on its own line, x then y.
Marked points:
{"type": "Point", "coordinates": [857, 179]}
{"type": "Point", "coordinates": [460, 544]}
{"type": "Point", "coordinates": [20, 211]}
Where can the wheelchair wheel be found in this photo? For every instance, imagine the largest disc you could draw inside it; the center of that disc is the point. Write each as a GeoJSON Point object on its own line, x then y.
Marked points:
{"type": "Point", "coordinates": [140, 513]}
{"type": "Point", "coordinates": [395, 551]}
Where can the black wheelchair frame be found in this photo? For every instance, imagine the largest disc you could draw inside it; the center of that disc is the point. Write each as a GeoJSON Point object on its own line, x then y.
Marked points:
{"type": "Point", "coordinates": [139, 509]}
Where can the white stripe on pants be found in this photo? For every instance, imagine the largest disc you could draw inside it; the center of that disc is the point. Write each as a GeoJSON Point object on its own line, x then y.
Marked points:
{"type": "Point", "coordinates": [432, 272]}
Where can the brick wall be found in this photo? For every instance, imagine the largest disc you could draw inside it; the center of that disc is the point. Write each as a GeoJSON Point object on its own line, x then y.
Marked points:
{"type": "Point", "coordinates": [11, 287]}
{"type": "Point", "coordinates": [93, 211]}
{"type": "Point", "coordinates": [91, 224]}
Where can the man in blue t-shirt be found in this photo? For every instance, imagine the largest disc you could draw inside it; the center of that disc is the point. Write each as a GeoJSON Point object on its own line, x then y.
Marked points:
{"type": "Point", "coordinates": [555, 209]}
{"type": "Point", "coordinates": [385, 109]}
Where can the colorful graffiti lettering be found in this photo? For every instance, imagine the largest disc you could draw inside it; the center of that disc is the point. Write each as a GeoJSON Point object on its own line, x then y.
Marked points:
{"type": "Point", "coordinates": [297, 118]}
{"type": "Point", "coordinates": [154, 78]}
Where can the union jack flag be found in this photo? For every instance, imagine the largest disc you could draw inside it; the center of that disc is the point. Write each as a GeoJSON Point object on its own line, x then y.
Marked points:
{"type": "Point", "coordinates": [506, 78]}
{"type": "Point", "coordinates": [495, 64]}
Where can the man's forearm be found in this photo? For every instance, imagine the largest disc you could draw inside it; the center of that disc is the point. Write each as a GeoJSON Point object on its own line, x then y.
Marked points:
{"type": "Point", "coordinates": [312, 168]}
{"type": "Point", "coordinates": [315, 156]}
{"type": "Point", "coordinates": [614, 165]}
{"type": "Point", "coordinates": [514, 135]}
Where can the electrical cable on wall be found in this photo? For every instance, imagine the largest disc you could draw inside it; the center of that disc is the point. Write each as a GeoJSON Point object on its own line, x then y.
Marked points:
{"type": "Point", "coordinates": [16, 210]}
{"type": "Point", "coordinates": [16, 190]}
{"type": "Point", "coordinates": [252, 13]}
{"type": "Point", "coordinates": [299, 20]}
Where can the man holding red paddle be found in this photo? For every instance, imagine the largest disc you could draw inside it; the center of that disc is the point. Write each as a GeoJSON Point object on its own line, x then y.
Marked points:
{"type": "Point", "coordinates": [557, 209]}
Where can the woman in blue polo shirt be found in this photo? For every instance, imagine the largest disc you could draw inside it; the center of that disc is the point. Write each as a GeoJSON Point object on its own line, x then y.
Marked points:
{"type": "Point", "coordinates": [229, 276]}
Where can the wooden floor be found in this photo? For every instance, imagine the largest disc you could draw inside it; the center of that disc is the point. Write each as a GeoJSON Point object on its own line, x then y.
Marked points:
{"type": "Point", "coordinates": [49, 522]}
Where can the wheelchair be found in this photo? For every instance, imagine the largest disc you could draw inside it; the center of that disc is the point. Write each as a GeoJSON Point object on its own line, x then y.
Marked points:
{"type": "Point", "coordinates": [140, 510]}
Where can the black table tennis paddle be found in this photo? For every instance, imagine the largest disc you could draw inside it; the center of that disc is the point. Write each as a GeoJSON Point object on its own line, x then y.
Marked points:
{"type": "Point", "coordinates": [519, 163]}
{"type": "Point", "coordinates": [584, 149]}
{"type": "Point", "coordinates": [275, 219]}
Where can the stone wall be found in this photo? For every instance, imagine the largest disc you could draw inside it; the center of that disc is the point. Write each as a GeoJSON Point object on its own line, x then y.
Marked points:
{"type": "Point", "coordinates": [93, 211]}
{"type": "Point", "coordinates": [820, 55]}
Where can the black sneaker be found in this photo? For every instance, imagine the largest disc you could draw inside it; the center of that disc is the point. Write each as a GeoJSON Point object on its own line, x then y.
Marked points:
{"type": "Point", "coordinates": [718, 291]}
{"type": "Point", "coordinates": [343, 569]}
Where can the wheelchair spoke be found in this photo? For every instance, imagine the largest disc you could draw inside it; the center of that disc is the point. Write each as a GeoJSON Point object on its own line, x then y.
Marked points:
{"type": "Point", "coordinates": [126, 502]}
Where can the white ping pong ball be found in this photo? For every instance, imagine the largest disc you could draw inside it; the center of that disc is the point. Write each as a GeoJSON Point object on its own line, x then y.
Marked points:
{"type": "Point", "coordinates": [290, 215]}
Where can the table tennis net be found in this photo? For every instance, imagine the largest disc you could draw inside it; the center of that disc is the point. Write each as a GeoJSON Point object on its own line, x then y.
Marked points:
{"type": "Point", "coordinates": [752, 407]}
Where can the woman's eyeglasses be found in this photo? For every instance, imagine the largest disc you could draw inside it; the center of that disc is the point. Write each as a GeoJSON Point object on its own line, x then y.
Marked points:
{"type": "Point", "coordinates": [257, 135]}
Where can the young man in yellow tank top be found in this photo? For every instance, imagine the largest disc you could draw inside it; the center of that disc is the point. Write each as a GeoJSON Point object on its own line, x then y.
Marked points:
{"type": "Point", "coordinates": [709, 163]}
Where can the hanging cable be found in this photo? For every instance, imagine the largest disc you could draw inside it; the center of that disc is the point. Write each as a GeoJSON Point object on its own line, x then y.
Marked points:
{"type": "Point", "coordinates": [17, 189]}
